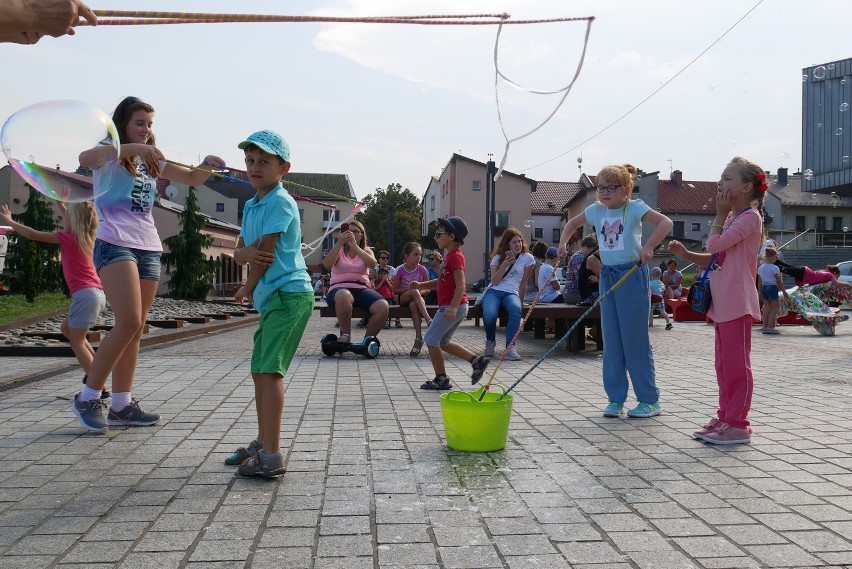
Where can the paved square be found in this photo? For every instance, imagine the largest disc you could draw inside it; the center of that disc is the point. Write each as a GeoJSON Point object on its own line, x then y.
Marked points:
{"type": "Point", "coordinates": [371, 482]}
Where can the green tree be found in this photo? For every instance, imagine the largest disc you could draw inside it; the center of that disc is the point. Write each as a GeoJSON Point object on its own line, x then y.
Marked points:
{"type": "Point", "coordinates": [407, 214]}
{"type": "Point", "coordinates": [35, 265]}
{"type": "Point", "coordinates": [192, 276]}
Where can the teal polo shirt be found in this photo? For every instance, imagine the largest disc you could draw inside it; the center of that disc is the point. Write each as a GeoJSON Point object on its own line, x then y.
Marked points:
{"type": "Point", "coordinates": [277, 213]}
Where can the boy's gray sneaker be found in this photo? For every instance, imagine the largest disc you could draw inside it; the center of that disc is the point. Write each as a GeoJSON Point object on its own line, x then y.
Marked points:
{"type": "Point", "coordinates": [243, 453]}
{"type": "Point", "coordinates": [90, 413]}
{"type": "Point", "coordinates": [262, 464]}
{"type": "Point", "coordinates": [479, 363]}
{"type": "Point", "coordinates": [132, 416]}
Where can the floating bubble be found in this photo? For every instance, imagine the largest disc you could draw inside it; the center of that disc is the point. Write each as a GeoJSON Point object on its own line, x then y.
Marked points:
{"type": "Point", "coordinates": [845, 159]}
{"type": "Point", "coordinates": [830, 66]}
{"type": "Point", "coordinates": [808, 175]}
{"type": "Point", "coordinates": [785, 155]}
{"type": "Point", "coordinates": [43, 143]}
{"type": "Point", "coordinates": [819, 72]}
{"type": "Point", "coordinates": [844, 106]}
{"type": "Point", "coordinates": [845, 229]}
{"type": "Point", "coordinates": [839, 131]}
{"type": "Point", "coordinates": [704, 206]}
{"type": "Point", "coordinates": [813, 195]}
{"type": "Point", "coordinates": [843, 81]}
{"type": "Point", "coordinates": [528, 223]}
{"type": "Point", "coordinates": [804, 78]}
{"type": "Point", "coordinates": [819, 125]}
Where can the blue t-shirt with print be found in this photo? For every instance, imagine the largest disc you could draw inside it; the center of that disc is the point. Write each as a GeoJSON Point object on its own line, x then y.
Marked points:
{"type": "Point", "coordinates": [619, 231]}
{"type": "Point", "coordinates": [277, 212]}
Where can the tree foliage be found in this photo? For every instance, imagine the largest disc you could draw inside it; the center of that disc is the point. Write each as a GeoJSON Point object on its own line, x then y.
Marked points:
{"type": "Point", "coordinates": [407, 214]}
{"type": "Point", "coordinates": [35, 265]}
{"type": "Point", "coordinates": [193, 272]}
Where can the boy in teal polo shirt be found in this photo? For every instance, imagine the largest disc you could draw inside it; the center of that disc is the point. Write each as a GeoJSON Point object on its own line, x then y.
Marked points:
{"type": "Point", "coordinates": [280, 288]}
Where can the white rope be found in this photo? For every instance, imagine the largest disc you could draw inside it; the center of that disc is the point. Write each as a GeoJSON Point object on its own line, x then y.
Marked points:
{"type": "Point", "coordinates": [565, 90]}
{"type": "Point", "coordinates": [317, 243]}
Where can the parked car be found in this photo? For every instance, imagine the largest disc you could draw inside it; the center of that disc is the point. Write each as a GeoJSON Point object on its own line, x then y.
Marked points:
{"type": "Point", "coordinates": [845, 271]}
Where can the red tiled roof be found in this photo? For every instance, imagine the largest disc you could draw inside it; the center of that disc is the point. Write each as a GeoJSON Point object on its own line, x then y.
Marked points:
{"type": "Point", "coordinates": [549, 197]}
{"type": "Point", "coordinates": [690, 197]}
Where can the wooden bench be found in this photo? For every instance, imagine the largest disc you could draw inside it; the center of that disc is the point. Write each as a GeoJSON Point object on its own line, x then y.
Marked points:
{"type": "Point", "coordinates": [564, 315]}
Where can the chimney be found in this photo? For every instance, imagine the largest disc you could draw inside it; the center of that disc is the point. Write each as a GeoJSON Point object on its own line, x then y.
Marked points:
{"type": "Point", "coordinates": [782, 176]}
{"type": "Point", "coordinates": [677, 178]}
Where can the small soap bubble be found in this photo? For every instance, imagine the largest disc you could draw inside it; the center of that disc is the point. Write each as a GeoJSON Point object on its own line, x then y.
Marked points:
{"type": "Point", "coordinates": [43, 143]}
{"type": "Point", "coordinates": [839, 131]}
{"type": "Point", "coordinates": [704, 206]}
{"type": "Point", "coordinates": [830, 66]}
{"type": "Point", "coordinates": [785, 155]}
{"type": "Point", "coordinates": [844, 106]}
{"type": "Point", "coordinates": [843, 81]}
{"type": "Point", "coordinates": [528, 223]}
{"type": "Point", "coordinates": [808, 175]}
{"type": "Point", "coordinates": [845, 229]}
{"type": "Point", "coordinates": [819, 125]}
{"type": "Point", "coordinates": [819, 72]}
{"type": "Point", "coordinates": [845, 159]}
{"type": "Point", "coordinates": [813, 195]}
{"type": "Point", "coordinates": [804, 78]}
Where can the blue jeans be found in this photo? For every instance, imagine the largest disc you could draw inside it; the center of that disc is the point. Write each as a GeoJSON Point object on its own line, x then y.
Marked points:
{"type": "Point", "coordinates": [627, 348]}
{"type": "Point", "coordinates": [492, 301]}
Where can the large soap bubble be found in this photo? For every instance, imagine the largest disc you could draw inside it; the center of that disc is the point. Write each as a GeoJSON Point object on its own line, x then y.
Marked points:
{"type": "Point", "coordinates": [43, 143]}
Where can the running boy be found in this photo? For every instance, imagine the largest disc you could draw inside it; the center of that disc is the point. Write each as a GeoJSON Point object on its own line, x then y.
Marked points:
{"type": "Point", "coordinates": [452, 306]}
{"type": "Point", "coordinates": [279, 286]}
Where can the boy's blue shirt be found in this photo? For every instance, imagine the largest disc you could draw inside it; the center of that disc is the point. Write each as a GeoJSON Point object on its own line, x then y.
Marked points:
{"type": "Point", "coordinates": [277, 213]}
{"type": "Point", "coordinates": [619, 231]}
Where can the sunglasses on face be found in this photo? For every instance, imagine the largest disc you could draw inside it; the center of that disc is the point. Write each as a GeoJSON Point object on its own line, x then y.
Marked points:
{"type": "Point", "coordinates": [439, 233]}
{"type": "Point", "coordinates": [383, 257]}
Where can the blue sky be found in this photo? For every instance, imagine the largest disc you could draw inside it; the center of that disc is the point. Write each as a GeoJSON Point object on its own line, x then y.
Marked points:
{"type": "Point", "coordinates": [389, 103]}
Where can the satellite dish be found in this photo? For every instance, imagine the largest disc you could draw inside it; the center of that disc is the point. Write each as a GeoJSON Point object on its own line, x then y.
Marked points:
{"type": "Point", "coordinates": [171, 191]}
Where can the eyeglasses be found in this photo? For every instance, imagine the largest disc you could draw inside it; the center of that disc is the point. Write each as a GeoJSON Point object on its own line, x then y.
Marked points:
{"type": "Point", "coordinates": [439, 233]}
{"type": "Point", "coordinates": [355, 231]}
{"type": "Point", "coordinates": [608, 189]}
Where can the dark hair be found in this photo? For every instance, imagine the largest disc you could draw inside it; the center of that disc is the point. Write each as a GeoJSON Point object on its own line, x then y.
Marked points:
{"type": "Point", "coordinates": [121, 117]}
{"type": "Point", "coordinates": [539, 249]}
{"type": "Point", "coordinates": [382, 270]}
{"type": "Point", "coordinates": [250, 147]}
{"type": "Point", "coordinates": [834, 269]}
{"type": "Point", "coordinates": [409, 247]}
{"type": "Point", "coordinates": [590, 241]}
{"type": "Point", "coordinates": [770, 251]}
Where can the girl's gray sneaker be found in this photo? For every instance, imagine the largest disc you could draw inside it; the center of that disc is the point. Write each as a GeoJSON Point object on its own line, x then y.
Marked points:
{"type": "Point", "coordinates": [262, 464]}
{"type": "Point", "coordinates": [90, 413]}
{"type": "Point", "coordinates": [244, 453]}
{"type": "Point", "coordinates": [132, 416]}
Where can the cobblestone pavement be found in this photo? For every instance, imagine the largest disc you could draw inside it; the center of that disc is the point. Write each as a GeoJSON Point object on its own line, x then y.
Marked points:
{"type": "Point", "coordinates": [371, 483]}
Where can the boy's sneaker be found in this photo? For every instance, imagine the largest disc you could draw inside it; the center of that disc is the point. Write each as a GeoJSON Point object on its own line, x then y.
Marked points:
{"type": "Point", "coordinates": [262, 464]}
{"type": "Point", "coordinates": [726, 434]}
{"type": "Point", "coordinates": [706, 429]}
{"type": "Point", "coordinates": [489, 348]}
{"type": "Point", "coordinates": [244, 453]}
{"type": "Point", "coordinates": [440, 383]}
{"type": "Point", "coordinates": [90, 413]}
{"type": "Point", "coordinates": [512, 355]}
{"type": "Point", "coordinates": [645, 410]}
{"type": "Point", "coordinates": [614, 409]}
{"type": "Point", "coordinates": [132, 416]}
{"type": "Point", "coordinates": [669, 326]}
{"type": "Point", "coordinates": [479, 363]}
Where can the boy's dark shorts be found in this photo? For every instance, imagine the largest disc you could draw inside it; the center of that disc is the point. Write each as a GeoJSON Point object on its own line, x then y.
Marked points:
{"type": "Point", "coordinates": [362, 297]}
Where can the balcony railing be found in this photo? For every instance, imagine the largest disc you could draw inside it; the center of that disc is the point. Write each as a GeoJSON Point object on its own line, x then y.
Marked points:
{"type": "Point", "coordinates": [812, 239]}
{"type": "Point", "coordinates": [833, 239]}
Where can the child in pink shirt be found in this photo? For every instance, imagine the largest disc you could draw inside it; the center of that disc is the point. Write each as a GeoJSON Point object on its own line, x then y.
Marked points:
{"type": "Point", "coordinates": [734, 238]}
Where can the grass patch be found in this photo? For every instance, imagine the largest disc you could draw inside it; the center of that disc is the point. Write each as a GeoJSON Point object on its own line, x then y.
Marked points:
{"type": "Point", "coordinates": [15, 306]}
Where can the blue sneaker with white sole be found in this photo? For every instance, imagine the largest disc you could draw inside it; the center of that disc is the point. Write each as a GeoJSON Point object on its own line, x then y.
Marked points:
{"type": "Point", "coordinates": [614, 409]}
{"type": "Point", "coordinates": [645, 410]}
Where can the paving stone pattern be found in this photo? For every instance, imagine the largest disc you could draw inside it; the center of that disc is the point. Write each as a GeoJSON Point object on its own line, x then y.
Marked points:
{"type": "Point", "coordinates": [372, 484]}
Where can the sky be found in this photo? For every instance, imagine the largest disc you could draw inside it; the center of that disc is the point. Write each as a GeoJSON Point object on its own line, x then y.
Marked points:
{"type": "Point", "coordinates": [387, 103]}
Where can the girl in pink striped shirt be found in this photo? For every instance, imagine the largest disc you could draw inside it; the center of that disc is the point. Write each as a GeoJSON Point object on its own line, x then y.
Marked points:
{"type": "Point", "coordinates": [734, 239]}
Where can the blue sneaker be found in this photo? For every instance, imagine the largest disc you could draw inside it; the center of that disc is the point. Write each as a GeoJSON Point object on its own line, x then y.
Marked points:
{"type": "Point", "coordinates": [645, 410]}
{"type": "Point", "coordinates": [614, 409]}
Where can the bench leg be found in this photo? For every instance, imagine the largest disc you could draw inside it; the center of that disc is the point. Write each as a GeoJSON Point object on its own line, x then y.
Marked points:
{"type": "Point", "coordinates": [539, 328]}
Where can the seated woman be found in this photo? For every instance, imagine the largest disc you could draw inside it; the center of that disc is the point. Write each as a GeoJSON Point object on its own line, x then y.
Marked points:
{"type": "Point", "coordinates": [434, 270]}
{"type": "Point", "coordinates": [571, 290]}
{"type": "Point", "coordinates": [350, 261]}
{"type": "Point", "coordinates": [511, 266]}
{"type": "Point", "coordinates": [537, 251]}
{"type": "Point", "coordinates": [672, 278]}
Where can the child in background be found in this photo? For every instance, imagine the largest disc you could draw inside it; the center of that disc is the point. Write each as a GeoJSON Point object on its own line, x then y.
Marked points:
{"type": "Point", "coordinates": [452, 301]}
{"type": "Point", "coordinates": [410, 271]}
{"type": "Point", "coordinates": [807, 276]}
{"type": "Point", "coordinates": [624, 313]}
{"type": "Point", "coordinates": [383, 285]}
{"type": "Point", "coordinates": [76, 243]}
{"type": "Point", "coordinates": [280, 289]}
{"type": "Point", "coordinates": [770, 284]}
{"type": "Point", "coordinates": [551, 293]}
{"type": "Point", "coordinates": [383, 261]}
{"type": "Point", "coordinates": [433, 269]}
{"type": "Point", "coordinates": [734, 236]}
{"type": "Point", "coordinates": [657, 289]}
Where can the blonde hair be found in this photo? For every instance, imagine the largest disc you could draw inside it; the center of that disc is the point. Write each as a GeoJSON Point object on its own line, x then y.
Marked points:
{"type": "Point", "coordinates": [749, 171]}
{"type": "Point", "coordinates": [84, 225]}
{"type": "Point", "coordinates": [623, 174]}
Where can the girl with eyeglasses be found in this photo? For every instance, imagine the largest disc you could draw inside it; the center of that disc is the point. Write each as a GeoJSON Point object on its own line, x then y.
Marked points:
{"type": "Point", "coordinates": [624, 313]}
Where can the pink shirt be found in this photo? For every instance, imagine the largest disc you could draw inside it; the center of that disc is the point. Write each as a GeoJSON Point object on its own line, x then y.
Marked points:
{"type": "Point", "coordinates": [812, 277]}
{"type": "Point", "coordinates": [734, 293]}
{"type": "Point", "coordinates": [350, 272]}
{"type": "Point", "coordinates": [418, 273]}
{"type": "Point", "coordinates": [78, 269]}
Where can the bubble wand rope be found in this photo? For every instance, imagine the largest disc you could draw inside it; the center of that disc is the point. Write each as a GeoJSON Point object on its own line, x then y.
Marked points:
{"type": "Point", "coordinates": [303, 198]}
{"type": "Point", "coordinates": [520, 328]}
{"type": "Point", "coordinates": [571, 330]}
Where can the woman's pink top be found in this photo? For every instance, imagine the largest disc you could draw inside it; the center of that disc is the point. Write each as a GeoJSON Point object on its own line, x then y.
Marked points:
{"type": "Point", "coordinates": [734, 293]}
{"type": "Point", "coordinates": [349, 272]}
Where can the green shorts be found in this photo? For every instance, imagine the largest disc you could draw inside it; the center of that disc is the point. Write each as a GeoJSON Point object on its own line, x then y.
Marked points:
{"type": "Point", "coordinates": [280, 331]}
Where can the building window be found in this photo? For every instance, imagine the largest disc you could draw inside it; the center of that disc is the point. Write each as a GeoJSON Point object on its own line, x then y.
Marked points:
{"type": "Point", "coordinates": [837, 224]}
{"type": "Point", "coordinates": [538, 232]}
{"type": "Point", "coordinates": [432, 201]}
{"type": "Point", "coordinates": [477, 185]}
{"type": "Point", "coordinates": [301, 215]}
{"type": "Point", "coordinates": [800, 223]}
{"type": "Point", "coordinates": [331, 215]}
{"type": "Point", "coordinates": [696, 226]}
{"type": "Point", "coordinates": [501, 219]}
{"type": "Point", "coordinates": [820, 223]}
{"type": "Point", "coordinates": [677, 230]}
{"type": "Point", "coordinates": [557, 233]}
{"type": "Point", "coordinates": [220, 206]}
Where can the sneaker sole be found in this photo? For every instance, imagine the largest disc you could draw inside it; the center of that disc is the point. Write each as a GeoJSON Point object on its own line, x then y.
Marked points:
{"type": "Point", "coordinates": [644, 416]}
{"type": "Point", "coordinates": [83, 422]}
{"type": "Point", "coordinates": [735, 442]}
{"type": "Point", "coordinates": [271, 474]}
{"type": "Point", "coordinates": [612, 415]}
{"type": "Point", "coordinates": [125, 423]}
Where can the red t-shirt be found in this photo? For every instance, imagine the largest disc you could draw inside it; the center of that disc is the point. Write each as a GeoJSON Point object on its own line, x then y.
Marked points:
{"type": "Point", "coordinates": [78, 269]}
{"type": "Point", "coordinates": [447, 278]}
{"type": "Point", "coordinates": [386, 290]}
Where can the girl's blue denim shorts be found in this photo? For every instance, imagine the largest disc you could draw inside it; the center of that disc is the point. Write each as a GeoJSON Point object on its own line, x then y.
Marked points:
{"type": "Point", "coordinates": [147, 262]}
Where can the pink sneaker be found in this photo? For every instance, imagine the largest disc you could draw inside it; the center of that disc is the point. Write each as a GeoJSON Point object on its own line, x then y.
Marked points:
{"type": "Point", "coordinates": [726, 434]}
{"type": "Point", "coordinates": [706, 429]}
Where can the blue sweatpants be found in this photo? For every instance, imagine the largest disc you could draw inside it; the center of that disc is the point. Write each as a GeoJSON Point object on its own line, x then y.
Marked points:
{"type": "Point", "coordinates": [627, 348]}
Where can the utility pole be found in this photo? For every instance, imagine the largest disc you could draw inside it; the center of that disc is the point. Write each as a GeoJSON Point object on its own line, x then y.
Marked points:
{"type": "Point", "coordinates": [490, 213]}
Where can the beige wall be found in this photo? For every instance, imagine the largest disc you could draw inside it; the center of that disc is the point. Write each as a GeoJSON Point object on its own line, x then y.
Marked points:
{"type": "Point", "coordinates": [207, 200]}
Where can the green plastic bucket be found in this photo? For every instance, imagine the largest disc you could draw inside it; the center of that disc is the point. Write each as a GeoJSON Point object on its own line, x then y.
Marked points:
{"type": "Point", "coordinates": [476, 426]}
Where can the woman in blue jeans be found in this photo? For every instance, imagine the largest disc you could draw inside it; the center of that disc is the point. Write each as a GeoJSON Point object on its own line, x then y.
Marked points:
{"type": "Point", "coordinates": [511, 265]}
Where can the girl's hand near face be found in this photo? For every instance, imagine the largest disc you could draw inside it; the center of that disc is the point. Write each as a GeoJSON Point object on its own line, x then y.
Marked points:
{"type": "Point", "coordinates": [724, 201]}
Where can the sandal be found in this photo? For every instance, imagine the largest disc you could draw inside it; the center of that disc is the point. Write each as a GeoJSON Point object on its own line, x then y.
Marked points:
{"type": "Point", "coordinates": [345, 339]}
{"type": "Point", "coordinates": [415, 349]}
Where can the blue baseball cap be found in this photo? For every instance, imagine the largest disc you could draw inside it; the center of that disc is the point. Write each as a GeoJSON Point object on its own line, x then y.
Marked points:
{"type": "Point", "coordinates": [551, 252]}
{"type": "Point", "coordinates": [270, 142]}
